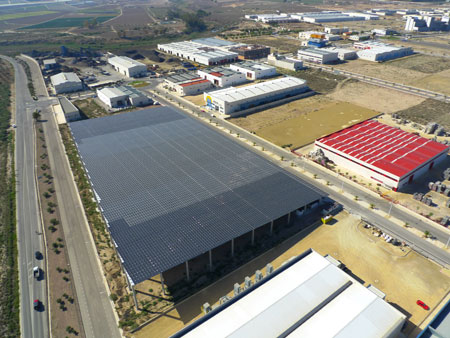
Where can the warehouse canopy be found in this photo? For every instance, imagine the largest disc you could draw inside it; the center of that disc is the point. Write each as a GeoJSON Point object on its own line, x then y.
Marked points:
{"type": "Point", "coordinates": [171, 188]}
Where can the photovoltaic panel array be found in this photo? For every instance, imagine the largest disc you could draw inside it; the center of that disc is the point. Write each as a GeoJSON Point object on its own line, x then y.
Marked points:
{"type": "Point", "coordinates": [172, 188]}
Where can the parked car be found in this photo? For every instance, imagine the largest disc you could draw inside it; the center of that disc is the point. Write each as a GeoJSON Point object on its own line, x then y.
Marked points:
{"type": "Point", "coordinates": [14, 126]}
{"type": "Point", "coordinates": [422, 305]}
{"type": "Point", "coordinates": [38, 255]}
{"type": "Point", "coordinates": [36, 272]}
{"type": "Point", "coordinates": [37, 304]}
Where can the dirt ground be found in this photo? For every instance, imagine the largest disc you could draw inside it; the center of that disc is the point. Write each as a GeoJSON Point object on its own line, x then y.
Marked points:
{"type": "Point", "coordinates": [428, 111]}
{"type": "Point", "coordinates": [301, 122]}
{"type": "Point", "coordinates": [373, 97]}
{"type": "Point", "coordinates": [422, 63]}
{"type": "Point", "coordinates": [278, 43]}
{"type": "Point", "coordinates": [90, 108]}
{"type": "Point", "coordinates": [401, 274]}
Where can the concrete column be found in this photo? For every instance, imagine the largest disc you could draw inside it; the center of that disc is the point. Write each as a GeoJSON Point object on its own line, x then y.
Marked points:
{"type": "Point", "coordinates": [187, 271]}
{"type": "Point", "coordinates": [134, 298]}
{"type": "Point", "coordinates": [271, 227]}
{"type": "Point", "coordinates": [210, 260]}
{"type": "Point", "coordinates": [232, 247]}
{"type": "Point", "coordinates": [289, 218]}
{"type": "Point", "coordinates": [162, 283]}
{"type": "Point", "coordinates": [253, 237]}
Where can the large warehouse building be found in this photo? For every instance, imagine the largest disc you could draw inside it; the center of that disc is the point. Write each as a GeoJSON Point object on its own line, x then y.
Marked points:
{"type": "Point", "coordinates": [200, 51]}
{"type": "Point", "coordinates": [384, 154]}
{"type": "Point", "coordinates": [379, 52]}
{"type": "Point", "coordinates": [172, 189]}
{"type": "Point", "coordinates": [66, 83]}
{"type": "Point", "coordinates": [308, 296]}
{"type": "Point", "coordinates": [253, 70]}
{"type": "Point", "coordinates": [231, 100]}
{"type": "Point", "coordinates": [221, 76]}
{"type": "Point", "coordinates": [127, 66]}
{"type": "Point", "coordinates": [122, 96]}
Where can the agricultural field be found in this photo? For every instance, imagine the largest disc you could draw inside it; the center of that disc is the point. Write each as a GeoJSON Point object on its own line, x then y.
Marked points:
{"type": "Point", "coordinates": [68, 22]}
{"type": "Point", "coordinates": [132, 16]}
{"type": "Point", "coordinates": [23, 15]}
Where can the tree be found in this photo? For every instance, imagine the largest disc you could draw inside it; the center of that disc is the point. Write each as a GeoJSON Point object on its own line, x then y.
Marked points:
{"type": "Point", "coordinates": [36, 115]}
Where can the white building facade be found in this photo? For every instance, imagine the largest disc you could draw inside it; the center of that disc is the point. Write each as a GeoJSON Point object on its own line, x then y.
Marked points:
{"type": "Point", "coordinates": [284, 62]}
{"type": "Point", "coordinates": [222, 77]}
{"type": "Point", "coordinates": [127, 66]}
{"type": "Point", "coordinates": [66, 83]}
{"type": "Point", "coordinates": [317, 55]}
{"type": "Point", "coordinates": [253, 70]}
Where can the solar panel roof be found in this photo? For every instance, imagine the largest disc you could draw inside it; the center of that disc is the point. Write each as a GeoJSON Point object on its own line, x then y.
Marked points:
{"type": "Point", "coordinates": [172, 188]}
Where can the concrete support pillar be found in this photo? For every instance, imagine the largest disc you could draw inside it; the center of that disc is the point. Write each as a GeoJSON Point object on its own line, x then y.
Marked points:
{"type": "Point", "coordinates": [187, 271]}
{"type": "Point", "coordinates": [210, 261]}
{"type": "Point", "coordinates": [162, 283]}
{"type": "Point", "coordinates": [271, 227]}
{"type": "Point", "coordinates": [232, 247]}
{"type": "Point", "coordinates": [134, 297]}
{"type": "Point", "coordinates": [289, 218]}
{"type": "Point", "coordinates": [253, 237]}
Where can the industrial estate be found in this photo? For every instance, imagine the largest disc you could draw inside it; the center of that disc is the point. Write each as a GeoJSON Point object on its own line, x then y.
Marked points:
{"type": "Point", "coordinates": [205, 169]}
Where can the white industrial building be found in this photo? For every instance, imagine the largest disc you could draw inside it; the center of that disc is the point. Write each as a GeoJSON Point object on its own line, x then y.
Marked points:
{"type": "Point", "coordinates": [199, 52]}
{"type": "Point", "coordinates": [66, 83]}
{"type": "Point", "coordinates": [366, 16]}
{"type": "Point", "coordinates": [343, 53]}
{"type": "Point", "coordinates": [50, 64]}
{"type": "Point", "coordinates": [383, 154]}
{"type": "Point", "coordinates": [272, 18]}
{"type": "Point", "coordinates": [187, 83]}
{"type": "Point", "coordinates": [379, 52]}
{"type": "Point", "coordinates": [427, 23]}
{"type": "Point", "coordinates": [127, 66]}
{"type": "Point", "coordinates": [332, 37]}
{"type": "Point", "coordinates": [321, 17]}
{"type": "Point", "coordinates": [311, 34]}
{"type": "Point", "coordinates": [308, 296]}
{"type": "Point", "coordinates": [336, 30]}
{"type": "Point", "coordinates": [284, 62]}
{"type": "Point", "coordinates": [222, 76]}
{"type": "Point", "coordinates": [383, 32]}
{"type": "Point", "coordinates": [253, 70]}
{"type": "Point", "coordinates": [71, 113]}
{"type": "Point", "coordinates": [230, 100]}
{"type": "Point", "coordinates": [122, 96]}
{"type": "Point", "coordinates": [317, 55]}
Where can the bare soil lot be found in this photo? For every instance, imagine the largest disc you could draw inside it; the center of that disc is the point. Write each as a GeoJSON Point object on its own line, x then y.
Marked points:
{"type": "Point", "coordinates": [401, 274]}
{"type": "Point", "coordinates": [301, 122]}
{"type": "Point", "coordinates": [422, 63]}
{"type": "Point", "coordinates": [131, 16]}
{"type": "Point", "coordinates": [278, 43]}
{"type": "Point", "coordinates": [428, 111]}
{"type": "Point", "coordinates": [373, 97]}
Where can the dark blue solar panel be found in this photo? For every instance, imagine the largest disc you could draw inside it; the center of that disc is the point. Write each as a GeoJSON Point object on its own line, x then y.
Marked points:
{"type": "Point", "coordinates": [172, 188]}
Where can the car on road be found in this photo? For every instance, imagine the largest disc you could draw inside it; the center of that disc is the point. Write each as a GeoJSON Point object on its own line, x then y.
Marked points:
{"type": "Point", "coordinates": [422, 305]}
{"type": "Point", "coordinates": [37, 304]}
{"type": "Point", "coordinates": [155, 103]}
{"type": "Point", "coordinates": [38, 255]}
{"type": "Point", "coordinates": [35, 98]}
{"type": "Point", "coordinates": [36, 272]}
{"type": "Point", "coordinates": [14, 126]}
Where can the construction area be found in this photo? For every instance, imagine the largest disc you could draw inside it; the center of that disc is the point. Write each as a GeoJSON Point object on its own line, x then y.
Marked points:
{"type": "Point", "coordinates": [400, 273]}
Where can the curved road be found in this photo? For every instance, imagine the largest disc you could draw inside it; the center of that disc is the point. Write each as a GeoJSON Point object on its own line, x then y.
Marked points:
{"type": "Point", "coordinates": [29, 227]}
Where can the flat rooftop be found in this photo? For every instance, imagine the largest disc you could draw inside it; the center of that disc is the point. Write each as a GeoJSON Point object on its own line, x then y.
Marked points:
{"type": "Point", "coordinates": [125, 61]}
{"type": "Point", "coordinates": [316, 51]}
{"type": "Point", "coordinates": [63, 78]}
{"type": "Point", "coordinates": [252, 66]}
{"type": "Point", "coordinates": [220, 71]}
{"type": "Point", "coordinates": [183, 77]}
{"type": "Point", "coordinates": [171, 188]}
{"type": "Point", "coordinates": [388, 148]}
{"type": "Point", "coordinates": [307, 297]}
{"type": "Point", "coordinates": [233, 94]}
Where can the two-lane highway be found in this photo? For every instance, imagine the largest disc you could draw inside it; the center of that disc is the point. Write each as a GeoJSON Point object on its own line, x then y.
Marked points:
{"type": "Point", "coordinates": [29, 228]}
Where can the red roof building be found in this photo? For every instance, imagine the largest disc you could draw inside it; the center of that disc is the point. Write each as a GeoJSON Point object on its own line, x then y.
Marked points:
{"type": "Point", "coordinates": [385, 154]}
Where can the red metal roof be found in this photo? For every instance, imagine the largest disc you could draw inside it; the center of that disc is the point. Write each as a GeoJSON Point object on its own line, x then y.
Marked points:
{"type": "Point", "coordinates": [390, 149]}
{"type": "Point", "coordinates": [216, 74]}
{"type": "Point", "coordinates": [193, 83]}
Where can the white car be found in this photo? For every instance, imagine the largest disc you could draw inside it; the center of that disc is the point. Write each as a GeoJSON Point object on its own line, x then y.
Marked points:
{"type": "Point", "coordinates": [14, 126]}
{"type": "Point", "coordinates": [36, 272]}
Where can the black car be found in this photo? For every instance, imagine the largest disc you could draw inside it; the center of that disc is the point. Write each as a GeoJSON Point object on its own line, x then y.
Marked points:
{"type": "Point", "coordinates": [37, 304]}
{"type": "Point", "coordinates": [38, 255]}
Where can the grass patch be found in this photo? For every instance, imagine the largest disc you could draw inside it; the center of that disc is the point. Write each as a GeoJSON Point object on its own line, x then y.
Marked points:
{"type": "Point", "coordinates": [138, 84]}
{"type": "Point", "coordinates": [90, 109]}
{"type": "Point", "coordinates": [23, 15]}
{"type": "Point", "coordinates": [69, 22]}
{"type": "Point", "coordinates": [9, 276]}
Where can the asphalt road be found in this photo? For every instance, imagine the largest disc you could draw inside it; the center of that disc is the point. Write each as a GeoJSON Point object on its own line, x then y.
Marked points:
{"type": "Point", "coordinates": [419, 244]}
{"type": "Point", "coordinates": [29, 229]}
{"type": "Point", "coordinates": [93, 298]}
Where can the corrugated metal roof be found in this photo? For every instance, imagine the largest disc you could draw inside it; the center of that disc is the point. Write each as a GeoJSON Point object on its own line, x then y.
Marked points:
{"type": "Point", "coordinates": [309, 297]}
{"type": "Point", "coordinates": [64, 77]}
{"type": "Point", "coordinates": [125, 61]}
{"type": "Point", "coordinates": [390, 149]}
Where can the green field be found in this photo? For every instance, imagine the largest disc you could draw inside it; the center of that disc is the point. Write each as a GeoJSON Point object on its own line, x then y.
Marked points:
{"type": "Point", "coordinates": [23, 15]}
{"type": "Point", "coordinates": [69, 22]}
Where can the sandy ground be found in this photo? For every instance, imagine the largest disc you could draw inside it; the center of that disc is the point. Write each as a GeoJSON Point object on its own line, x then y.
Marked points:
{"type": "Point", "coordinates": [401, 274]}
{"type": "Point", "coordinates": [439, 82]}
{"type": "Point", "coordinates": [307, 126]}
{"type": "Point", "coordinates": [373, 97]}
